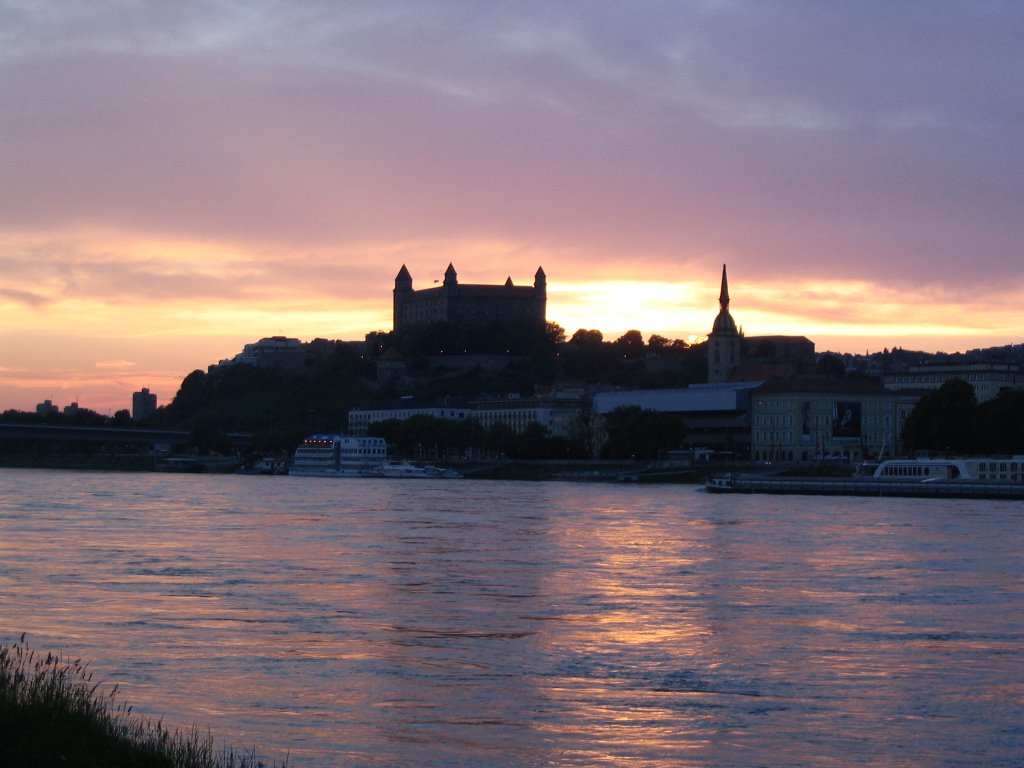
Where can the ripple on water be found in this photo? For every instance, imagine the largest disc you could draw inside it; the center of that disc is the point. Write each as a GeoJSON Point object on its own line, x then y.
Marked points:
{"type": "Point", "coordinates": [480, 623]}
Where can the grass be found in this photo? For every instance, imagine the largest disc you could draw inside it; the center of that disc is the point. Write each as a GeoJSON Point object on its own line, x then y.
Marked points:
{"type": "Point", "coordinates": [53, 714]}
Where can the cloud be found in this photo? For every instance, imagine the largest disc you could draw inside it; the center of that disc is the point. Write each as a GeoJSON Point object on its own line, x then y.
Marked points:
{"type": "Point", "coordinates": [28, 298]}
{"type": "Point", "coordinates": [758, 131]}
{"type": "Point", "coordinates": [226, 169]}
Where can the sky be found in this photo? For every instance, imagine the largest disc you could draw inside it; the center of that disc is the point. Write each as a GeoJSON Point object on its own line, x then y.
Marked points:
{"type": "Point", "coordinates": [180, 178]}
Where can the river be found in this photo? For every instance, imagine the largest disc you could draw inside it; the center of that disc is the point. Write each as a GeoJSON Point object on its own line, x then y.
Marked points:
{"type": "Point", "coordinates": [485, 623]}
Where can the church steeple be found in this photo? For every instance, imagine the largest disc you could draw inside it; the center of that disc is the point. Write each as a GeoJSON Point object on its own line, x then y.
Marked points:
{"type": "Point", "coordinates": [724, 322]}
{"type": "Point", "coordinates": [724, 339]}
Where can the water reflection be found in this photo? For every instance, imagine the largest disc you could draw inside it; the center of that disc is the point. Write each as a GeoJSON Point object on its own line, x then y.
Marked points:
{"type": "Point", "coordinates": [406, 623]}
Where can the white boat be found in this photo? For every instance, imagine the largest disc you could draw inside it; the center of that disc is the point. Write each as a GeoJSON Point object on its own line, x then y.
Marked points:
{"type": "Point", "coordinates": [338, 456]}
{"type": "Point", "coordinates": [982, 468]}
{"type": "Point", "coordinates": [719, 484]}
{"type": "Point", "coordinates": [406, 470]}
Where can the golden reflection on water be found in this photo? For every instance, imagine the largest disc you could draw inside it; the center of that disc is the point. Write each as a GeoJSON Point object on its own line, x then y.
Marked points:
{"type": "Point", "coordinates": [526, 624]}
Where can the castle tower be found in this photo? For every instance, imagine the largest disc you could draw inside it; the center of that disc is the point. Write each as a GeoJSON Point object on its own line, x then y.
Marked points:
{"type": "Point", "coordinates": [724, 339]}
{"type": "Point", "coordinates": [403, 290]}
{"type": "Point", "coordinates": [540, 295]}
{"type": "Point", "coordinates": [451, 277]}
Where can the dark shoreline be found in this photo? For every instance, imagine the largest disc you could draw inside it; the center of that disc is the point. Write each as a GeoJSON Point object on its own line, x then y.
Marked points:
{"type": "Point", "coordinates": [509, 469]}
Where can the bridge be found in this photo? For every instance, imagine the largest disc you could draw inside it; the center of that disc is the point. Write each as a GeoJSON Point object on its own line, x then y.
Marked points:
{"type": "Point", "coordinates": [108, 435]}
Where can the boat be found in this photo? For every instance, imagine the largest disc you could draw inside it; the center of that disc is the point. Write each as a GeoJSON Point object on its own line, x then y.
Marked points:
{"type": "Point", "coordinates": [338, 456]}
{"type": "Point", "coordinates": [719, 484]}
{"type": "Point", "coordinates": [983, 468]}
{"type": "Point", "coordinates": [406, 470]}
{"type": "Point", "coordinates": [983, 477]}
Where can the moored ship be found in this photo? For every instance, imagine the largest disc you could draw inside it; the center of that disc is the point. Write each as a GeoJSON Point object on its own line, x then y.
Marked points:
{"type": "Point", "coordinates": [969, 478]}
{"type": "Point", "coordinates": [408, 471]}
{"type": "Point", "coordinates": [338, 456]}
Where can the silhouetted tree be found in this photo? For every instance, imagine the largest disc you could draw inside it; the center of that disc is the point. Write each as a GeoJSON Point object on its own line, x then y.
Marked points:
{"type": "Point", "coordinates": [1000, 423]}
{"type": "Point", "coordinates": [630, 345]}
{"type": "Point", "coordinates": [830, 366]}
{"type": "Point", "coordinates": [943, 420]}
{"type": "Point", "coordinates": [639, 433]}
{"type": "Point", "coordinates": [656, 343]}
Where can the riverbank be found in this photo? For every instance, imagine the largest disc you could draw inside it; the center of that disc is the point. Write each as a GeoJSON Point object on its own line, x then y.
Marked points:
{"type": "Point", "coordinates": [110, 462]}
{"type": "Point", "coordinates": [54, 714]}
{"type": "Point", "coordinates": [507, 469]}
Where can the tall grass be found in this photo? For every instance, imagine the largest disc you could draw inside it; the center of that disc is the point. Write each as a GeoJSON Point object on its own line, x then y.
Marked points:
{"type": "Point", "coordinates": [53, 714]}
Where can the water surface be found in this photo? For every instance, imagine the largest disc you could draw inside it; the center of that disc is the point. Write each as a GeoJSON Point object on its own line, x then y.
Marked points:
{"type": "Point", "coordinates": [476, 623]}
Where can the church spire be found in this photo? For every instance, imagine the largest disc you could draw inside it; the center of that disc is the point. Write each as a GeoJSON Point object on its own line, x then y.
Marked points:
{"type": "Point", "coordinates": [723, 297]}
{"type": "Point", "coordinates": [724, 322]}
{"type": "Point", "coordinates": [724, 349]}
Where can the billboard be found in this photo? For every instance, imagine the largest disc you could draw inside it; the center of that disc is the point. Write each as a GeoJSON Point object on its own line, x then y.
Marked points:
{"type": "Point", "coordinates": [845, 419]}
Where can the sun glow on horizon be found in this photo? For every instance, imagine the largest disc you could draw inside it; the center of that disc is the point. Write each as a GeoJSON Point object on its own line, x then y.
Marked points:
{"type": "Point", "coordinates": [130, 311]}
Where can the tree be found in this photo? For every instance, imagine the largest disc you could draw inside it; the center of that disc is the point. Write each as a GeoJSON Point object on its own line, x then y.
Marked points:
{"type": "Point", "coordinates": [554, 333]}
{"type": "Point", "coordinates": [830, 366]}
{"type": "Point", "coordinates": [587, 337]}
{"type": "Point", "coordinates": [639, 433]}
{"type": "Point", "coordinates": [1000, 423]}
{"type": "Point", "coordinates": [657, 343]}
{"type": "Point", "coordinates": [944, 420]}
{"type": "Point", "coordinates": [630, 344]}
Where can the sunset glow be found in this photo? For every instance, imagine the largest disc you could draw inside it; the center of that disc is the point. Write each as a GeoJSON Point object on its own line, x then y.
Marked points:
{"type": "Point", "coordinates": [179, 183]}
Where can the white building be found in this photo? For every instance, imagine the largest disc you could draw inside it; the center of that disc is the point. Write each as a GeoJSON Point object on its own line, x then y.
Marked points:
{"type": "Point", "coordinates": [812, 418]}
{"type": "Point", "coordinates": [559, 416]}
{"type": "Point", "coordinates": [988, 379]}
{"type": "Point", "coordinates": [360, 419]}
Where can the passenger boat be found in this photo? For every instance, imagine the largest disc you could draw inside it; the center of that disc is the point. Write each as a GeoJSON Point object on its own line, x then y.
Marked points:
{"type": "Point", "coordinates": [967, 478]}
{"type": "Point", "coordinates": [984, 468]}
{"type": "Point", "coordinates": [338, 456]}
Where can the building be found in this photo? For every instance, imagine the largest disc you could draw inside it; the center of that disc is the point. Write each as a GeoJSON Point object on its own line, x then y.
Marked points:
{"type": "Point", "coordinates": [735, 357]}
{"type": "Point", "coordinates": [560, 417]}
{"type": "Point", "coordinates": [265, 351]}
{"type": "Point", "coordinates": [469, 305]}
{"type": "Point", "coordinates": [143, 404]}
{"type": "Point", "coordinates": [724, 341]}
{"type": "Point", "coordinates": [988, 379]}
{"type": "Point", "coordinates": [810, 418]}
{"type": "Point", "coordinates": [716, 414]}
{"type": "Point", "coordinates": [47, 408]}
{"type": "Point", "coordinates": [360, 419]}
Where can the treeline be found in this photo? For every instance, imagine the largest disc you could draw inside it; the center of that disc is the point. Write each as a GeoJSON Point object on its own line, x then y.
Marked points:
{"type": "Point", "coordinates": [278, 404]}
{"type": "Point", "coordinates": [950, 420]}
{"type": "Point", "coordinates": [283, 400]}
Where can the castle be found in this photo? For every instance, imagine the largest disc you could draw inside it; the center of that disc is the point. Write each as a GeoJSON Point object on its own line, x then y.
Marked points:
{"type": "Point", "coordinates": [463, 304]}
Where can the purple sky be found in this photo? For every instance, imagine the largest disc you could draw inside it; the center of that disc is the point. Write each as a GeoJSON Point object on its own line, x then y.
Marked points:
{"type": "Point", "coordinates": [223, 171]}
